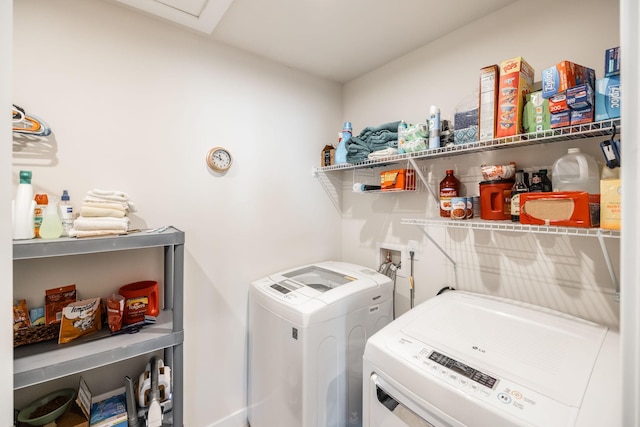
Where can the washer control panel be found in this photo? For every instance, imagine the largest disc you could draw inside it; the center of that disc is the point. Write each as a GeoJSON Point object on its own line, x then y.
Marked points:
{"type": "Point", "coordinates": [479, 383]}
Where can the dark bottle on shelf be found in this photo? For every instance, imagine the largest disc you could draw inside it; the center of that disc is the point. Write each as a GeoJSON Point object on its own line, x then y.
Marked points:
{"type": "Point", "coordinates": [536, 183]}
{"type": "Point", "coordinates": [546, 181]}
{"type": "Point", "coordinates": [519, 187]}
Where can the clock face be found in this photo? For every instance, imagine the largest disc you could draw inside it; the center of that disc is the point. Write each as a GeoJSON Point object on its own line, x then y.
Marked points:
{"type": "Point", "coordinates": [219, 159]}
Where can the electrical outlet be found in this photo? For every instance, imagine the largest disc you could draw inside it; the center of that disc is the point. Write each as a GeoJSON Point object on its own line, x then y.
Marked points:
{"type": "Point", "coordinates": [412, 245]}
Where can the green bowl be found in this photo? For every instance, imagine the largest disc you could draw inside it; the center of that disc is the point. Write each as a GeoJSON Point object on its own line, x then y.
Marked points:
{"type": "Point", "coordinates": [25, 415]}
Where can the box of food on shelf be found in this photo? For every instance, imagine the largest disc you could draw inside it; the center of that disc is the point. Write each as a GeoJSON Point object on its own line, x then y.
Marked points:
{"type": "Point", "coordinates": [516, 80]}
{"type": "Point", "coordinates": [610, 204]}
{"type": "Point", "coordinates": [560, 208]}
{"type": "Point", "coordinates": [398, 179]}
{"type": "Point", "coordinates": [489, 80]}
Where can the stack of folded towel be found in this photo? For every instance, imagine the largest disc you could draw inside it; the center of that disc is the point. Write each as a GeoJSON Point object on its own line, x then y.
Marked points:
{"type": "Point", "coordinates": [103, 212]}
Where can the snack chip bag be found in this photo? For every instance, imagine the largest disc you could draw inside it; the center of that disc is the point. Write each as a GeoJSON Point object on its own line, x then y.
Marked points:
{"type": "Point", "coordinates": [80, 318]}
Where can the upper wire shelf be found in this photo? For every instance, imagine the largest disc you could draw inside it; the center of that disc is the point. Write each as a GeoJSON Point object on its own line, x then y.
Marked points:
{"type": "Point", "coordinates": [587, 130]}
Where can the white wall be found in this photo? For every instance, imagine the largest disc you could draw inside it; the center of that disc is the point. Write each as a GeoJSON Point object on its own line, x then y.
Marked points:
{"type": "Point", "coordinates": [564, 273]}
{"type": "Point", "coordinates": [6, 333]}
{"type": "Point", "coordinates": [135, 104]}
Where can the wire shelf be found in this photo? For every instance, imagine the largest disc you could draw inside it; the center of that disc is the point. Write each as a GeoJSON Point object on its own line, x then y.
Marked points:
{"type": "Point", "coordinates": [583, 131]}
{"type": "Point", "coordinates": [479, 224]}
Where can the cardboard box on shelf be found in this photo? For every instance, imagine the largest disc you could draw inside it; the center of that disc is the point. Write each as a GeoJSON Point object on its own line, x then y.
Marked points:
{"type": "Point", "coordinates": [610, 204]}
{"type": "Point", "coordinates": [560, 208]}
{"type": "Point", "coordinates": [487, 108]}
{"type": "Point", "coordinates": [558, 103]}
{"type": "Point", "coordinates": [608, 97]}
{"type": "Point", "coordinates": [579, 117]}
{"type": "Point", "coordinates": [580, 97]}
{"type": "Point", "coordinates": [565, 75]}
{"type": "Point", "coordinates": [327, 156]}
{"type": "Point", "coordinates": [398, 179]}
{"type": "Point", "coordinates": [516, 80]}
{"type": "Point", "coordinates": [612, 62]}
{"type": "Point", "coordinates": [561, 119]}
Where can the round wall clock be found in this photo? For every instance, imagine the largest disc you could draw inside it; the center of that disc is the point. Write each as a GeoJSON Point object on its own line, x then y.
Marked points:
{"type": "Point", "coordinates": [219, 159]}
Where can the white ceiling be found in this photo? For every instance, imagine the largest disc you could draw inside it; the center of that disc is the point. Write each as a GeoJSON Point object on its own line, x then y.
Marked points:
{"type": "Point", "coordinates": [335, 39]}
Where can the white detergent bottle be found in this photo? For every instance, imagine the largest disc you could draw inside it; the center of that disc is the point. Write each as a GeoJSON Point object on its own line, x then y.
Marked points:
{"type": "Point", "coordinates": [23, 208]}
{"type": "Point", "coordinates": [51, 227]}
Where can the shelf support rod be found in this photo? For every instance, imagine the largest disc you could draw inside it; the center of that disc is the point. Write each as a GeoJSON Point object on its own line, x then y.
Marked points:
{"type": "Point", "coordinates": [424, 231]}
{"type": "Point", "coordinates": [607, 260]}
{"type": "Point", "coordinates": [415, 167]}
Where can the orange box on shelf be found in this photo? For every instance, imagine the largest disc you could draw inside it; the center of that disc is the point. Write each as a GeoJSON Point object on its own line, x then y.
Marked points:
{"type": "Point", "coordinates": [398, 179]}
{"type": "Point", "coordinates": [560, 208]}
{"type": "Point", "coordinates": [516, 80]}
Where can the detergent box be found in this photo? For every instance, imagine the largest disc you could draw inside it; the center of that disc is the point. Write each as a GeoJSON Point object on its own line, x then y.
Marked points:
{"type": "Point", "coordinates": [608, 98]}
{"type": "Point", "coordinates": [565, 75]}
{"type": "Point", "coordinates": [516, 80]}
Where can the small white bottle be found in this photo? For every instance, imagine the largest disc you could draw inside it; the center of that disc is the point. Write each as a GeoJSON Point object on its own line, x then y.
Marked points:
{"type": "Point", "coordinates": [51, 227]}
{"type": "Point", "coordinates": [434, 127]}
{"type": "Point", "coordinates": [23, 209]}
{"type": "Point", "coordinates": [66, 212]}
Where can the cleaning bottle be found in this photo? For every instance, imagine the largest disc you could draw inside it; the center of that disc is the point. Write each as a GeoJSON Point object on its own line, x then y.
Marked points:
{"type": "Point", "coordinates": [41, 204]}
{"type": "Point", "coordinates": [341, 151]}
{"type": "Point", "coordinates": [51, 227]}
{"type": "Point", "coordinates": [434, 127]}
{"type": "Point", "coordinates": [23, 208]}
{"type": "Point", "coordinates": [66, 212]}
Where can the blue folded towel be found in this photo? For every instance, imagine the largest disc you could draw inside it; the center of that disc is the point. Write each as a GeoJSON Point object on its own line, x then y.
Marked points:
{"type": "Point", "coordinates": [372, 139]}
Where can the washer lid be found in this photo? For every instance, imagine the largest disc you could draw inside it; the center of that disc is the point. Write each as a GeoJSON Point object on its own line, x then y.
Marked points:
{"type": "Point", "coordinates": [318, 278]}
{"type": "Point", "coordinates": [546, 351]}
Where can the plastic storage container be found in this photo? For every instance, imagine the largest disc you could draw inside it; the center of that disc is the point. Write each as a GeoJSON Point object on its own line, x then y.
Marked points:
{"type": "Point", "coordinates": [576, 171]}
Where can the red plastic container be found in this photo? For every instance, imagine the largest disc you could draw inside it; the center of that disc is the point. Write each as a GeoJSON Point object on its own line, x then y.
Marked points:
{"type": "Point", "coordinates": [495, 199]}
{"type": "Point", "coordinates": [141, 298]}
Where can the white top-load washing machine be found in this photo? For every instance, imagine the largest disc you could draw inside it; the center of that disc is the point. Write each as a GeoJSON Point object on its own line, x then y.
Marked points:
{"type": "Point", "coordinates": [463, 359]}
{"type": "Point", "coordinates": [307, 330]}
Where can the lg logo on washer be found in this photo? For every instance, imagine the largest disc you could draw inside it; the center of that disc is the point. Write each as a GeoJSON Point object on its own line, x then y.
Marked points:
{"type": "Point", "coordinates": [481, 350]}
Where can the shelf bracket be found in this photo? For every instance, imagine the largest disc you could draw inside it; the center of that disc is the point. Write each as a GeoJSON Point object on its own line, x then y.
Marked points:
{"type": "Point", "coordinates": [415, 167]}
{"type": "Point", "coordinates": [607, 260]}
{"type": "Point", "coordinates": [424, 231]}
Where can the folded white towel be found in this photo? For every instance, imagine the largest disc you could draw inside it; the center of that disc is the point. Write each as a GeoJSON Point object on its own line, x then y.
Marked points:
{"type": "Point", "coordinates": [90, 211]}
{"type": "Point", "coordinates": [101, 223]}
{"type": "Point", "coordinates": [380, 154]}
{"type": "Point", "coordinates": [106, 205]}
{"type": "Point", "coordinates": [110, 196]}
